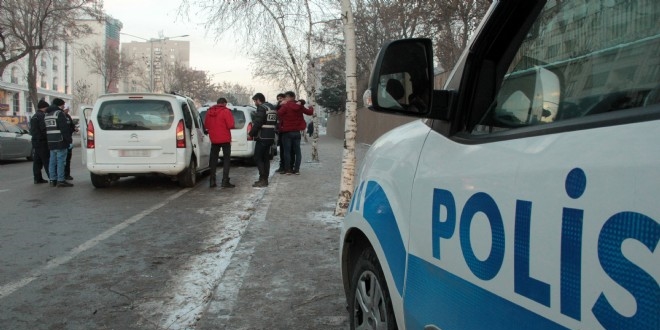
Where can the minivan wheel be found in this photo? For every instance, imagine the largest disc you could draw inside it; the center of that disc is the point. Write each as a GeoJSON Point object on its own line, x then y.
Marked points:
{"type": "Point", "coordinates": [370, 305]}
{"type": "Point", "coordinates": [188, 178]}
{"type": "Point", "coordinates": [100, 181]}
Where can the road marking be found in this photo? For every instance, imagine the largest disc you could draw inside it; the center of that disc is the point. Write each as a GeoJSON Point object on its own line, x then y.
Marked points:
{"type": "Point", "coordinates": [10, 288]}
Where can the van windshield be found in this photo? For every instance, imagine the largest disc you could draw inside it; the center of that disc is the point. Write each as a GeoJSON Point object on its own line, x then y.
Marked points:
{"type": "Point", "coordinates": [135, 115]}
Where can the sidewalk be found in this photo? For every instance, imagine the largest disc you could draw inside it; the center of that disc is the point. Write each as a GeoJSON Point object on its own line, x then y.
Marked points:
{"type": "Point", "coordinates": [284, 274]}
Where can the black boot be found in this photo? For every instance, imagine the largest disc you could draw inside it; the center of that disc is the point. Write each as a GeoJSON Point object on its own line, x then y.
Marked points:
{"type": "Point", "coordinates": [263, 182]}
{"type": "Point", "coordinates": [226, 184]}
{"type": "Point", "coordinates": [212, 183]}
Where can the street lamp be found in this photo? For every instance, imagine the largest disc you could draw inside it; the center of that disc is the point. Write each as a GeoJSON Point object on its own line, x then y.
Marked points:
{"type": "Point", "coordinates": [151, 54]}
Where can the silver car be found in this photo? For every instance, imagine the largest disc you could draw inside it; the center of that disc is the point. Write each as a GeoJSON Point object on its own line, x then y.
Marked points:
{"type": "Point", "coordinates": [15, 142]}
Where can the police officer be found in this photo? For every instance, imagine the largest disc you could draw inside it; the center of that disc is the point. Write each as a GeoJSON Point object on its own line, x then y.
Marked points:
{"type": "Point", "coordinates": [263, 131]}
{"type": "Point", "coordinates": [59, 140]}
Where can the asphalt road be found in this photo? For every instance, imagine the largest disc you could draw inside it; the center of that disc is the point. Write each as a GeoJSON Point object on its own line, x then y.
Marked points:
{"type": "Point", "coordinates": [147, 254]}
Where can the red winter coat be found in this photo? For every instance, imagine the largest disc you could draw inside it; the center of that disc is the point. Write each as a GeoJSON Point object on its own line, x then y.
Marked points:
{"type": "Point", "coordinates": [291, 117]}
{"type": "Point", "coordinates": [219, 121]}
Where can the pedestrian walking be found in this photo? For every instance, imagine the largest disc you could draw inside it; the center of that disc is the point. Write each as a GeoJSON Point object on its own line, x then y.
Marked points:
{"type": "Point", "coordinates": [59, 140]}
{"type": "Point", "coordinates": [263, 132]}
{"type": "Point", "coordinates": [69, 153]}
{"type": "Point", "coordinates": [40, 152]}
{"type": "Point", "coordinates": [291, 115]}
{"type": "Point", "coordinates": [219, 121]}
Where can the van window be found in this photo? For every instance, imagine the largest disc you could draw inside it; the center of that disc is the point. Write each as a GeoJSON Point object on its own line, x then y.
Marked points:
{"type": "Point", "coordinates": [581, 58]}
{"type": "Point", "coordinates": [135, 115]}
{"type": "Point", "coordinates": [187, 117]}
{"type": "Point", "coordinates": [239, 118]}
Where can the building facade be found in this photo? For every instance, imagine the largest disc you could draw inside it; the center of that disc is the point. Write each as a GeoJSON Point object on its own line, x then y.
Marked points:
{"type": "Point", "coordinates": [154, 61]}
{"type": "Point", "coordinates": [53, 80]}
{"type": "Point", "coordinates": [87, 86]}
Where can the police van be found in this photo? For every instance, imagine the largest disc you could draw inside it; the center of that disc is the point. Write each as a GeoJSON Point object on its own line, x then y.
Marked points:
{"type": "Point", "coordinates": [527, 195]}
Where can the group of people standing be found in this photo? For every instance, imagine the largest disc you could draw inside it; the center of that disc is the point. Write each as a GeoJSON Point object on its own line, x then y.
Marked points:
{"type": "Point", "coordinates": [284, 120]}
{"type": "Point", "coordinates": [52, 131]}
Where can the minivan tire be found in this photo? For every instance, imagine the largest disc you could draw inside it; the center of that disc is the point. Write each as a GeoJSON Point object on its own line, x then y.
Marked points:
{"type": "Point", "coordinates": [188, 178]}
{"type": "Point", "coordinates": [100, 181]}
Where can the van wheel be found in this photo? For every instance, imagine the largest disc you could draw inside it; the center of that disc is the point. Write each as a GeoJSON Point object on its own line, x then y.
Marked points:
{"type": "Point", "coordinates": [188, 178]}
{"type": "Point", "coordinates": [370, 305]}
{"type": "Point", "coordinates": [100, 181]}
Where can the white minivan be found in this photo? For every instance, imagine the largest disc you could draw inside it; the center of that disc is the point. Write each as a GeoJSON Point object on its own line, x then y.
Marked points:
{"type": "Point", "coordinates": [138, 134]}
{"type": "Point", "coordinates": [527, 196]}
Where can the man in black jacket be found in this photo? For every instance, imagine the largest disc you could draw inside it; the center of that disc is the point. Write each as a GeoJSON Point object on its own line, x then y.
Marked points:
{"type": "Point", "coordinates": [59, 140]}
{"type": "Point", "coordinates": [40, 152]}
{"type": "Point", "coordinates": [263, 131]}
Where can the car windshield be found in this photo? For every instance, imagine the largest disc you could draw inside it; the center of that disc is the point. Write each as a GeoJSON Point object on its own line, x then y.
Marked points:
{"type": "Point", "coordinates": [135, 115]}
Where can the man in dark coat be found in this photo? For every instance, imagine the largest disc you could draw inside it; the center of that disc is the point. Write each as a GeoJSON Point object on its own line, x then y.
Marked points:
{"type": "Point", "coordinates": [263, 132]}
{"type": "Point", "coordinates": [40, 152]}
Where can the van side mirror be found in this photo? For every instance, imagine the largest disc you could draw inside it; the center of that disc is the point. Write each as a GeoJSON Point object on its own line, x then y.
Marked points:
{"type": "Point", "coordinates": [402, 81]}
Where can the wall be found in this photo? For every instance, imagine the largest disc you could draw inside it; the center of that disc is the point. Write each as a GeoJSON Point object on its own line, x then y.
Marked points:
{"type": "Point", "coordinates": [371, 125]}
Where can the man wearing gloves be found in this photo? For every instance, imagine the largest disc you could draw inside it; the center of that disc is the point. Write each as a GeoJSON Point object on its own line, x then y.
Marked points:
{"type": "Point", "coordinates": [69, 154]}
{"type": "Point", "coordinates": [219, 121]}
{"type": "Point", "coordinates": [59, 140]}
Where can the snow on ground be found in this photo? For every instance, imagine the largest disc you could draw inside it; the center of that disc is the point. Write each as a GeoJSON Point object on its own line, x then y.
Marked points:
{"type": "Point", "coordinates": [193, 285]}
{"type": "Point", "coordinates": [327, 217]}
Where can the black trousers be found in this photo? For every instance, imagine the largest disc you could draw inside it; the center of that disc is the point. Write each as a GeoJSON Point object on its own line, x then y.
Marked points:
{"type": "Point", "coordinates": [262, 158]}
{"type": "Point", "coordinates": [226, 159]}
{"type": "Point", "coordinates": [40, 159]}
{"type": "Point", "coordinates": [67, 165]}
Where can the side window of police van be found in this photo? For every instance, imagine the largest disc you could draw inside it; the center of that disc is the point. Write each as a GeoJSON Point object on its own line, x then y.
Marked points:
{"type": "Point", "coordinates": [582, 60]}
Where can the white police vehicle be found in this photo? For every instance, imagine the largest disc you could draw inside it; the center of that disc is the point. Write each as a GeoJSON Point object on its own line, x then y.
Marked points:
{"type": "Point", "coordinates": [528, 196]}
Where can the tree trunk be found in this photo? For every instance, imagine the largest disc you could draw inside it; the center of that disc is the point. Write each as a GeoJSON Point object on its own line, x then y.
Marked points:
{"type": "Point", "coordinates": [33, 95]}
{"type": "Point", "coordinates": [350, 131]}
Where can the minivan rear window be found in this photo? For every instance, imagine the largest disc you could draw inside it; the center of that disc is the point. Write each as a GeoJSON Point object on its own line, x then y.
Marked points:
{"type": "Point", "coordinates": [239, 118]}
{"type": "Point", "coordinates": [135, 115]}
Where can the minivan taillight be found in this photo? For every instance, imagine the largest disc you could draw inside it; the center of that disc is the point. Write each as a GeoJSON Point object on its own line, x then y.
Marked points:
{"type": "Point", "coordinates": [180, 135]}
{"type": "Point", "coordinates": [249, 128]}
{"type": "Point", "coordinates": [90, 135]}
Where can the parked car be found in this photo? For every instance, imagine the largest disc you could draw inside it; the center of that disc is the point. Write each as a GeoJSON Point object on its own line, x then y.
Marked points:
{"type": "Point", "coordinates": [242, 145]}
{"type": "Point", "coordinates": [526, 195]}
{"type": "Point", "coordinates": [144, 134]}
{"type": "Point", "coordinates": [15, 142]}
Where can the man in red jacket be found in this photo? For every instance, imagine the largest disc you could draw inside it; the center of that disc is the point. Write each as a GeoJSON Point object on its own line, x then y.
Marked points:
{"type": "Point", "coordinates": [292, 121]}
{"type": "Point", "coordinates": [219, 121]}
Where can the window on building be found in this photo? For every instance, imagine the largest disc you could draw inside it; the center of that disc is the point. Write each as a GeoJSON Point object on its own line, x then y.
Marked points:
{"type": "Point", "coordinates": [16, 102]}
{"type": "Point", "coordinates": [44, 83]}
{"type": "Point", "coordinates": [55, 60]}
{"type": "Point", "coordinates": [14, 75]}
{"type": "Point", "coordinates": [55, 86]}
{"type": "Point", "coordinates": [43, 62]}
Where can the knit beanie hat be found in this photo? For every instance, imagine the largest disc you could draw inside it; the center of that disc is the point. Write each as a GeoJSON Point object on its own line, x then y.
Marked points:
{"type": "Point", "coordinates": [42, 104]}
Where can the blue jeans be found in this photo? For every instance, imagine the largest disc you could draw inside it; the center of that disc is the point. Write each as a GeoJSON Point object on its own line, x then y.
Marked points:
{"type": "Point", "coordinates": [291, 142]}
{"type": "Point", "coordinates": [56, 164]}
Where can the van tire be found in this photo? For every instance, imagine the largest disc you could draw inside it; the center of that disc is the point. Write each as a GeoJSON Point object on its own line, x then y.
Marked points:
{"type": "Point", "coordinates": [188, 178]}
{"type": "Point", "coordinates": [368, 274]}
{"type": "Point", "coordinates": [100, 181]}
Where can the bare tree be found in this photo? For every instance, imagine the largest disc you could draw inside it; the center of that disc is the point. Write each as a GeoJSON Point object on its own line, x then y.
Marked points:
{"type": "Point", "coordinates": [347, 184]}
{"type": "Point", "coordinates": [288, 25]}
{"type": "Point", "coordinates": [82, 93]}
{"type": "Point", "coordinates": [28, 27]}
{"type": "Point", "coordinates": [107, 62]}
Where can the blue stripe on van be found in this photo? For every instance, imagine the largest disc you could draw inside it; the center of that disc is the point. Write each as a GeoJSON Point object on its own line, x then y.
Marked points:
{"type": "Point", "coordinates": [437, 297]}
{"type": "Point", "coordinates": [378, 213]}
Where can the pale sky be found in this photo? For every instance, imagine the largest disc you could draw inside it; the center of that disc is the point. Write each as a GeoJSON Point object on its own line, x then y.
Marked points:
{"type": "Point", "coordinates": [148, 18]}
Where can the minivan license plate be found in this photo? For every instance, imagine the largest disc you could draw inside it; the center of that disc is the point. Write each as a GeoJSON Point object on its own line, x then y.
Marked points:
{"type": "Point", "coordinates": [133, 153]}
